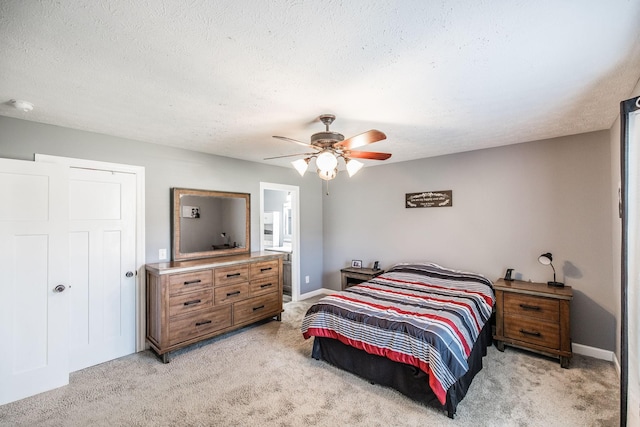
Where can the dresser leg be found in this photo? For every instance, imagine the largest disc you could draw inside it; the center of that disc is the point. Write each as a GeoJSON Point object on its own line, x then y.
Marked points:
{"type": "Point", "coordinates": [564, 362]}
{"type": "Point", "coordinates": [164, 357]}
{"type": "Point", "coordinates": [279, 317]}
{"type": "Point", "coordinates": [500, 345]}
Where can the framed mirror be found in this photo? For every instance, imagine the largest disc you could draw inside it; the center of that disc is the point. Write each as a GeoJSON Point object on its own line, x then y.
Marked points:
{"type": "Point", "coordinates": [209, 223]}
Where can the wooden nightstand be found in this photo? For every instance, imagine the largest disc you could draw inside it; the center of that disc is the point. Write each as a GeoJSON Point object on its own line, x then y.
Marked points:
{"type": "Point", "coordinates": [534, 316]}
{"type": "Point", "coordinates": [352, 276]}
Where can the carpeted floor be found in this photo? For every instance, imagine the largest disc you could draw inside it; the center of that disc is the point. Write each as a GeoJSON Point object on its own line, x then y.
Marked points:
{"type": "Point", "coordinates": [264, 376]}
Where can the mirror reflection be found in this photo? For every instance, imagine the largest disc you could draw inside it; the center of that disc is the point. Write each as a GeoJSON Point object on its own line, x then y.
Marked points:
{"type": "Point", "coordinates": [209, 223]}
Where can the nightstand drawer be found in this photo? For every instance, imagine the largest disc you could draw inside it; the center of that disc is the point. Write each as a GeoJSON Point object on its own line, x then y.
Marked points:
{"type": "Point", "coordinates": [532, 306]}
{"type": "Point", "coordinates": [532, 331]}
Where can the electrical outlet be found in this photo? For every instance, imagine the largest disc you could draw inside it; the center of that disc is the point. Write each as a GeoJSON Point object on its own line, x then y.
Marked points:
{"type": "Point", "coordinates": [162, 254]}
{"type": "Point", "coordinates": [306, 279]}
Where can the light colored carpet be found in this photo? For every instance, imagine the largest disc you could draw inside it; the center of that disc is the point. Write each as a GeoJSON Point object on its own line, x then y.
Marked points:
{"type": "Point", "coordinates": [264, 376]}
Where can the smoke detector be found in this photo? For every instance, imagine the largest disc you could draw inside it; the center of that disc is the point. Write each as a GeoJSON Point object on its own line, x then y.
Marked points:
{"type": "Point", "coordinates": [21, 105]}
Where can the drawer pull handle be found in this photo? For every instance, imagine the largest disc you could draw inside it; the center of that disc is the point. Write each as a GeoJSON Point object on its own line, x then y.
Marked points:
{"type": "Point", "coordinates": [266, 269]}
{"type": "Point", "coordinates": [195, 301]}
{"type": "Point", "coordinates": [230, 294]}
{"type": "Point", "coordinates": [233, 275]}
{"type": "Point", "coordinates": [535, 334]}
{"type": "Point", "coordinates": [530, 307]}
{"type": "Point", "coordinates": [266, 285]}
{"type": "Point", "coordinates": [192, 282]}
{"type": "Point", "coordinates": [258, 308]}
{"type": "Point", "coordinates": [203, 323]}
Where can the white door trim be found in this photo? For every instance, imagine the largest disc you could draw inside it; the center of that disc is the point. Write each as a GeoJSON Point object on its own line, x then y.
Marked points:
{"type": "Point", "coordinates": [295, 242]}
{"type": "Point", "coordinates": [138, 171]}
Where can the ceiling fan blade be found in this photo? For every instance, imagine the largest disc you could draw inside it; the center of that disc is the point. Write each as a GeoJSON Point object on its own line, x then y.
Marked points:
{"type": "Point", "coordinates": [304, 144]}
{"type": "Point", "coordinates": [371, 155]}
{"type": "Point", "coordinates": [289, 155]}
{"type": "Point", "coordinates": [365, 138]}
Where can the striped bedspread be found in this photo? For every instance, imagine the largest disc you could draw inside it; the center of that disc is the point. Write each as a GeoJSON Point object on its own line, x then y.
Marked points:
{"type": "Point", "coordinates": [423, 315]}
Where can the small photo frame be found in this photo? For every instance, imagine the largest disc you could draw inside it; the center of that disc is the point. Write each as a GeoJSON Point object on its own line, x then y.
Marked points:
{"type": "Point", "coordinates": [356, 263]}
{"type": "Point", "coordinates": [190, 212]}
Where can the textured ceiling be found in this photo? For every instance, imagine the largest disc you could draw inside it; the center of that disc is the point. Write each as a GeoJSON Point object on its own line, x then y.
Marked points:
{"type": "Point", "coordinates": [222, 77]}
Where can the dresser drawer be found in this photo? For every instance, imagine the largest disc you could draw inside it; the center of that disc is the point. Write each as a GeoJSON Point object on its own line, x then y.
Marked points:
{"type": "Point", "coordinates": [201, 323]}
{"type": "Point", "coordinates": [230, 293]}
{"type": "Point", "coordinates": [229, 275]}
{"type": "Point", "coordinates": [263, 286]}
{"type": "Point", "coordinates": [190, 301]}
{"type": "Point", "coordinates": [187, 282]}
{"type": "Point", "coordinates": [532, 306]}
{"type": "Point", "coordinates": [532, 331]}
{"type": "Point", "coordinates": [260, 270]}
{"type": "Point", "coordinates": [257, 307]}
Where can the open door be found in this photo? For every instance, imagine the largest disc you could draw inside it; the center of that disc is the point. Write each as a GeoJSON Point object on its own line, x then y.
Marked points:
{"type": "Point", "coordinates": [630, 274]}
{"type": "Point", "coordinates": [34, 307]}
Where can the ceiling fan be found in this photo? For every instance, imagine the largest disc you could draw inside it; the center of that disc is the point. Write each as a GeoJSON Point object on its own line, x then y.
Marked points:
{"type": "Point", "coordinates": [329, 146]}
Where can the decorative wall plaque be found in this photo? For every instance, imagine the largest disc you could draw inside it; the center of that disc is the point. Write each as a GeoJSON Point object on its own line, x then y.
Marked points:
{"type": "Point", "coordinates": [429, 199]}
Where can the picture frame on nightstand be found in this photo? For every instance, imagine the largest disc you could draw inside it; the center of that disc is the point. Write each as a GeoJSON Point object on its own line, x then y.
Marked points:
{"type": "Point", "coordinates": [356, 263]}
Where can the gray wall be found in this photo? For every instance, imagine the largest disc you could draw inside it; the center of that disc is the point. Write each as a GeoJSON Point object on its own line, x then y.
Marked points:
{"type": "Point", "coordinates": [510, 204]}
{"type": "Point", "coordinates": [167, 167]}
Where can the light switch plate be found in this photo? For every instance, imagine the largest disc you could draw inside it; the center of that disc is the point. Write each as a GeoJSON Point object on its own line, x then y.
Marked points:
{"type": "Point", "coordinates": [162, 254]}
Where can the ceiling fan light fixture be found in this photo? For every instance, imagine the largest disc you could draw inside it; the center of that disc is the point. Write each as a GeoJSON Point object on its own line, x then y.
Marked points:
{"type": "Point", "coordinates": [353, 166]}
{"type": "Point", "coordinates": [326, 161]}
{"type": "Point", "coordinates": [329, 146]}
{"type": "Point", "coordinates": [301, 165]}
{"type": "Point", "coordinates": [328, 175]}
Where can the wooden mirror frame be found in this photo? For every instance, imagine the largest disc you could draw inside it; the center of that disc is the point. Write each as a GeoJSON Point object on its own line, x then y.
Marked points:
{"type": "Point", "coordinates": [177, 253]}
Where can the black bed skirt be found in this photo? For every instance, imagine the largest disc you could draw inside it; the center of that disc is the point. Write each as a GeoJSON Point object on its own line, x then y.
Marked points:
{"type": "Point", "coordinates": [407, 379]}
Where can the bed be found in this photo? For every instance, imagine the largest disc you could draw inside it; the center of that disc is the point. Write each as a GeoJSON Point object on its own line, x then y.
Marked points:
{"type": "Point", "coordinates": [420, 328]}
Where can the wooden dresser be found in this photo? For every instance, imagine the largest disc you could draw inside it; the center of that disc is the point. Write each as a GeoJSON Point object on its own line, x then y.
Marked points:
{"type": "Point", "coordinates": [189, 301]}
{"type": "Point", "coordinates": [534, 316]}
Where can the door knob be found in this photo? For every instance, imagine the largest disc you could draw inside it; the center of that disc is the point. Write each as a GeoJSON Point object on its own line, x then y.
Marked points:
{"type": "Point", "coordinates": [129, 274]}
{"type": "Point", "coordinates": [59, 288]}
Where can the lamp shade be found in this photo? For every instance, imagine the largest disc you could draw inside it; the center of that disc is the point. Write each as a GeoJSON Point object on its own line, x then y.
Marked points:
{"type": "Point", "coordinates": [301, 165]}
{"type": "Point", "coordinates": [545, 258]}
{"type": "Point", "coordinates": [353, 166]}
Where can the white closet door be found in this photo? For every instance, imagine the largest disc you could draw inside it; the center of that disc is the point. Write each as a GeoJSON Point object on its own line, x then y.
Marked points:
{"type": "Point", "coordinates": [33, 262]}
{"type": "Point", "coordinates": [102, 266]}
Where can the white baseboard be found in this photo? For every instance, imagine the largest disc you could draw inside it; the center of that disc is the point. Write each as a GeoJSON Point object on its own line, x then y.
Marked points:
{"type": "Point", "coordinates": [597, 353]}
{"type": "Point", "coordinates": [321, 291]}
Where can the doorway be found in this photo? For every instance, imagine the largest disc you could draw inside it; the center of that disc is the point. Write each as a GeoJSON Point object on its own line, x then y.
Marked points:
{"type": "Point", "coordinates": [52, 208]}
{"type": "Point", "coordinates": [86, 174]}
{"type": "Point", "coordinates": [280, 230]}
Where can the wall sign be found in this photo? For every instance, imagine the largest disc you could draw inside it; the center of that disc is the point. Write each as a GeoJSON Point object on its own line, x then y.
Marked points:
{"type": "Point", "coordinates": [429, 199]}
